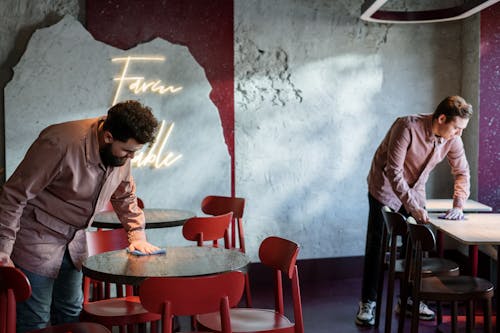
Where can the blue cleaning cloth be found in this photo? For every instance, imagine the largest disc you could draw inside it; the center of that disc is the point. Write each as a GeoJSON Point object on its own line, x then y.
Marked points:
{"type": "Point", "coordinates": [443, 217]}
{"type": "Point", "coordinates": [140, 253]}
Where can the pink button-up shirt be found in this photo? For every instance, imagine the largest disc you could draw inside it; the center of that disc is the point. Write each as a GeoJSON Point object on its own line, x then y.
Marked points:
{"type": "Point", "coordinates": [405, 158]}
{"type": "Point", "coordinates": [54, 194]}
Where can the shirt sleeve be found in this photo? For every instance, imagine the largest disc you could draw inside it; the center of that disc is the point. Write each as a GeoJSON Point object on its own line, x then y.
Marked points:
{"type": "Point", "coordinates": [124, 201]}
{"type": "Point", "coordinates": [399, 141]}
{"type": "Point", "coordinates": [36, 171]}
{"type": "Point", "coordinates": [461, 172]}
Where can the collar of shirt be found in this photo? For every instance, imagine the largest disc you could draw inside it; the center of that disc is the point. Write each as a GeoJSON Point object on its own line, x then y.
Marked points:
{"type": "Point", "coordinates": [431, 137]}
{"type": "Point", "coordinates": [92, 144]}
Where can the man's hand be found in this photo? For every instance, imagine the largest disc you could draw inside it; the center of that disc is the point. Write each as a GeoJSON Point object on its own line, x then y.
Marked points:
{"type": "Point", "coordinates": [421, 215]}
{"type": "Point", "coordinates": [454, 214]}
{"type": "Point", "coordinates": [5, 261]}
{"type": "Point", "coordinates": [143, 246]}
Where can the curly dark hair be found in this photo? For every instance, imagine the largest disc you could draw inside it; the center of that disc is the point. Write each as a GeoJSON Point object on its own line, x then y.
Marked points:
{"type": "Point", "coordinates": [453, 106]}
{"type": "Point", "coordinates": [131, 119]}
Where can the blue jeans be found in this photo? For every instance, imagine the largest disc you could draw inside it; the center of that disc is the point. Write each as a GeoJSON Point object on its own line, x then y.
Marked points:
{"type": "Point", "coordinates": [52, 301]}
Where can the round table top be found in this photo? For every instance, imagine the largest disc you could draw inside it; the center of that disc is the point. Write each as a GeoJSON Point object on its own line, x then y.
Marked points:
{"type": "Point", "coordinates": [122, 267]}
{"type": "Point", "coordinates": [155, 218]}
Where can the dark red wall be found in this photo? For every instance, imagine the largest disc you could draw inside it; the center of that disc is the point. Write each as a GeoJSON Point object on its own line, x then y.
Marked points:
{"type": "Point", "coordinates": [205, 27]}
{"type": "Point", "coordinates": [489, 112]}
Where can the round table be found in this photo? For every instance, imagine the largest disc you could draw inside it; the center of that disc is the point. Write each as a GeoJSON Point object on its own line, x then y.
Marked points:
{"type": "Point", "coordinates": [155, 218]}
{"type": "Point", "coordinates": [125, 268]}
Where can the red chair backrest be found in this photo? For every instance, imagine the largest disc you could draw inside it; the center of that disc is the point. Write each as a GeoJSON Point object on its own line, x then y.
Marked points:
{"type": "Point", "coordinates": [14, 287]}
{"type": "Point", "coordinates": [210, 228]}
{"type": "Point", "coordinates": [187, 296]}
{"type": "Point", "coordinates": [281, 255]}
{"type": "Point", "coordinates": [106, 240]}
{"type": "Point", "coordinates": [98, 242]}
{"type": "Point", "coordinates": [218, 205]}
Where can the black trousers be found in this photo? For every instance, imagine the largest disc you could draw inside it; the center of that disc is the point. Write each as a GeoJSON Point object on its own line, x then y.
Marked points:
{"type": "Point", "coordinates": [371, 268]}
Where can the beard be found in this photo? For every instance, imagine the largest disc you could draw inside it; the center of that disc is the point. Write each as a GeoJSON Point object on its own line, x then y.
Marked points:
{"type": "Point", "coordinates": [110, 160]}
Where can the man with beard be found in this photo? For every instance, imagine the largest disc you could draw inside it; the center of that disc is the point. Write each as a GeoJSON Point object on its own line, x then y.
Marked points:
{"type": "Point", "coordinates": [69, 174]}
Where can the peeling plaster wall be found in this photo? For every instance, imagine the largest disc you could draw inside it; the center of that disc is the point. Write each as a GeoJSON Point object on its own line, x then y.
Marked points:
{"type": "Point", "coordinates": [18, 20]}
{"type": "Point", "coordinates": [316, 89]}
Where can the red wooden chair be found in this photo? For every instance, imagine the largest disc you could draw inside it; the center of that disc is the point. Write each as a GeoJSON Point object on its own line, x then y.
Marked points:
{"type": "Point", "coordinates": [204, 229]}
{"type": "Point", "coordinates": [218, 205]}
{"type": "Point", "coordinates": [189, 296]}
{"type": "Point", "coordinates": [119, 311]}
{"type": "Point", "coordinates": [15, 287]}
{"type": "Point", "coordinates": [99, 242]}
{"type": "Point", "coordinates": [280, 255]}
{"type": "Point", "coordinates": [213, 228]}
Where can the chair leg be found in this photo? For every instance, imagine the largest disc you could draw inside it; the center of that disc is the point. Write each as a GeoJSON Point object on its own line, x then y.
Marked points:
{"type": "Point", "coordinates": [439, 313]}
{"type": "Point", "coordinates": [487, 316]}
{"type": "Point", "coordinates": [379, 298]}
{"type": "Point", "coordinates": [403, 295]}
{"type": "Point", "coordinates": [469, 316]}
{"type": "Point", "coordinates": [415, 318]}
{"type": "Point", "coordinates": [390, 301]}
{"type": "Point", "coordinates": [154, 326]}
{"type": "Point", "coordinates": [454, 311]}
{"type": "Point", "coordinates": [248, 296]}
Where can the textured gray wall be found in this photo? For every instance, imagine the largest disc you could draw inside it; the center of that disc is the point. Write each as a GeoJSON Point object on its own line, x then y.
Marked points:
{"type": "Point", "coordinates": [315, 90]}
{"type": "Point", "coordinates": [18, 20]}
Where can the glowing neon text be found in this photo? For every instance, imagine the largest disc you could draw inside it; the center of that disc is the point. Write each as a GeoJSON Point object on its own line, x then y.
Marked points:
{"type": "Point", "coordinates": [139, 84]}
{"type": "Point", "coordinates": [152, 156]}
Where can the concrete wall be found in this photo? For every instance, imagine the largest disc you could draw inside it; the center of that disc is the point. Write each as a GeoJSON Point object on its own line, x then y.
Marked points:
{"type": "Point", "coordinates": [315, 91]}
{"type": "Point", "coordinates": [18, 20]}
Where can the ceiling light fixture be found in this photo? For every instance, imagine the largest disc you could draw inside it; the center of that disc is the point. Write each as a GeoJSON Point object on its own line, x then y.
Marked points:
{"type": "Point", "coordinates": [370, 11]}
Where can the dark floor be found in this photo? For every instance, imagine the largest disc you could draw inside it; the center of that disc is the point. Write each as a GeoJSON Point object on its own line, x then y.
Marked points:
{"type": "Point", "coordinates": [330, 307]}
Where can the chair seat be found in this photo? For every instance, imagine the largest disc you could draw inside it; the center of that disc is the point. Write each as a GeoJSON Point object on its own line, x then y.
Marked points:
{"type": "Point", "coordinates": [249, 320]}
{"type": "Point", "coordinates": [118, 311]}
{"type": "Point", "coordinates": [431, 267]}
{"type": "Point", "coordinates": [455, 288]}
{"type": "Point", "coordinates": [74, 328]}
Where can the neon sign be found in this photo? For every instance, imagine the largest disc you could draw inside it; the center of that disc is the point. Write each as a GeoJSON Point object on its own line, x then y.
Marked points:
{"type": "Point", "coordinates": [153, 156]}
{"type": "Point", "coordinates": [139, 85]}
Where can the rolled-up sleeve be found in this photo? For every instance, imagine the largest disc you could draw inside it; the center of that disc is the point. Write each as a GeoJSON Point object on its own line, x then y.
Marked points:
{"type": "Point", "coordinates": [124, 201]}
{"type": "Point", "coordinates": [461, 172]}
